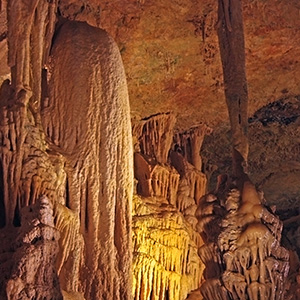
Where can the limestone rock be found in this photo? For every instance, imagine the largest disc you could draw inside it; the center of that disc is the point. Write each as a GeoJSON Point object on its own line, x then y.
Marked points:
{"type": "Point", "coordinates": [189, 143]}
{"type": "Point", "coordinates": [154, 135]}
{"type": "Point", "coordinates": [33, 274]}
{"type": "Point", "coordinates": [87, 120]}
{"type": "Point", "coordinates": [243, 255]}
{"type": "Point", "coordinates": [166, 264]}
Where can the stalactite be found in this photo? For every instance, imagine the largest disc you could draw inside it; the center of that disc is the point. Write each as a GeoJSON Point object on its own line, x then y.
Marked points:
{"type": "Point", "coordinates": [191, 187]}
{"type": "Point", "coordinates": [155, 180]}
{"type": "Point", "coordinates": [154, 135]}
{"type": "Point", "coordinates": [166, 262]}
{"type": "Point", "coordinates": [189, 143]}
{"type": "Point", "coordinates": [30, 29]}
{"type": "Point", "coordinates": [186, 159]}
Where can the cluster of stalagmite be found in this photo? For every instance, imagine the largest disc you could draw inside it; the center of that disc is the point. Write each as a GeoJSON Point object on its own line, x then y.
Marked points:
{"type": "Point", "coordinates": [242, 251]}
{"type": "Point", "coordinates": [65, 133]}
{"type": "Point", "coordinates": [166, 260]}
{"type": "Point", "coordinates": [166, 264]}
{"type": "Point", "coordinates": [33, 274]}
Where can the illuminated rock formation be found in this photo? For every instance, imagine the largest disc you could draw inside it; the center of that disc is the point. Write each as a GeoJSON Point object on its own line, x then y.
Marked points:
{"type": "Point", "coordinates": [166, 262]}
{"type": "Point", "coordinates": [242, 254]}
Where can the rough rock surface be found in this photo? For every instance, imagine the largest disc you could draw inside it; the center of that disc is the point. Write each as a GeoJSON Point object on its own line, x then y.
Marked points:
{"type": "Point", "coordinates": [33, 274]}
{"type": "Point", "coordinates": [166, 264]}
{"type": "Point", "coordinates": [171, 54]}
{"type": "Point", "coordinates": [81, 159]}
{"type": "Point", "coordinates": [273, 155]}
{"type": "Point", "coordinates": [86, 118]}
{"type": "Point", "coordinates": [242, 253]}
{"type": "Point", "coordinates": [171, 58]}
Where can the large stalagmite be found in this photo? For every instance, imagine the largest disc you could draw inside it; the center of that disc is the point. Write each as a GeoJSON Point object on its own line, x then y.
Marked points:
{"type": "Point", "coordinates": [243, 254]}
{"type": "Point", "coordinates": [65, 133]}
{"type": "Point", "coordinates": [87, 120]}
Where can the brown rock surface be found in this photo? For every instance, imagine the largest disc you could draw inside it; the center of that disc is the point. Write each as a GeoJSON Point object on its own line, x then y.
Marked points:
{"type": "Point", "coordinates": [171, 54]}
{"type": "Point", "coordinates": [35, 248]}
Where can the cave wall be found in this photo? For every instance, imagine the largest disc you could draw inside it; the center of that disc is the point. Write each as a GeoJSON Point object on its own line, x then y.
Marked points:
{"type": "Point", "coordinates": [184, 74]}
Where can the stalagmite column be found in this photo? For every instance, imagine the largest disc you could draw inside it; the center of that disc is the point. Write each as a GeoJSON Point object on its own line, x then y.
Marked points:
{"type": "Point", "coordinates": [84, 165]}
{"type": "Point", "coordinates": [87, 120]}
{"type": "Point", "coordinates": [232, 49]}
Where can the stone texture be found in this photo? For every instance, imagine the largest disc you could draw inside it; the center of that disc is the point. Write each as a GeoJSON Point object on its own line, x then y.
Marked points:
{"type": "Point", "coordinates": [86, 119]}
{"type": "Point", "coordinates": [172, 63]}
{"type": "Point", "coordinates": [87, 176]}
{"type": "Point", "coordinates": [242, 253]}
{"type": "Point", "coordinates": [33, 274]}
{"type": "Point", "coordinates": [166, 264]}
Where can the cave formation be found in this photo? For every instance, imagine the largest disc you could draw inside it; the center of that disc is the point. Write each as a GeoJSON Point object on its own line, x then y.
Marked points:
{"type": "Point", "coordinates": [124, 182]}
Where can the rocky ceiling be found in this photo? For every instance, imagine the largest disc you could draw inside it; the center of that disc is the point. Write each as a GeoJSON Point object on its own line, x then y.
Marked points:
{"type": "Point", "coordinates": [171, 56]}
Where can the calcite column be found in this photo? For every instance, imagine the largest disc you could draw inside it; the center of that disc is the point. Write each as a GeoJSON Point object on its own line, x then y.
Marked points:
{"type": "Point", "coordinates": [87, 120]}
{"type": "Point", "coordinates": [232, 50]}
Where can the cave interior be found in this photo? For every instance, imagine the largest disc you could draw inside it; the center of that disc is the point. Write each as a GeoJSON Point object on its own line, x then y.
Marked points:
{"type": "Point", "coordinates": [149, 150]}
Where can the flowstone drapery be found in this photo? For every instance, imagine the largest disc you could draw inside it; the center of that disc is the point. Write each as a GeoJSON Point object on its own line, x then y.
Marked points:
{"type": "Point", "coordinates": [170, 183]}
{"type": "Point", "coordinates": [65, 133]}
{"type": "Point", "coordinates": [87, 121]}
